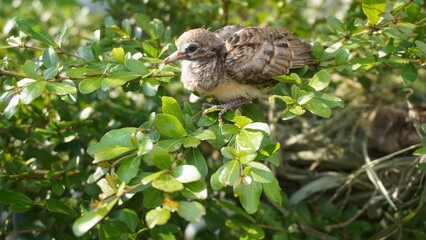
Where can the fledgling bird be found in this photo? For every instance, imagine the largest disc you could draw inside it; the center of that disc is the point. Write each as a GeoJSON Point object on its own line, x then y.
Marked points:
{"type": "Point", "coordinates": [234, 63]}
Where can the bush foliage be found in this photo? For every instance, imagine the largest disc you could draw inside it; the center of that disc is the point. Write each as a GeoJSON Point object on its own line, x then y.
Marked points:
{"type": "Point", "coordinates": [99, 139]}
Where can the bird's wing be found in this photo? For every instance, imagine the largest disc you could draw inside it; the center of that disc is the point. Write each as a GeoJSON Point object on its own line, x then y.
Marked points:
{"type": "Point", "coordinates": [227, 31]}
{"type": "Point", "coordinates": [255, 55]}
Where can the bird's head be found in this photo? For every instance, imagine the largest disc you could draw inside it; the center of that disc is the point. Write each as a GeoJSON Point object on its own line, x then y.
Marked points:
{"type": "Point", "coordinates": [196, 45]}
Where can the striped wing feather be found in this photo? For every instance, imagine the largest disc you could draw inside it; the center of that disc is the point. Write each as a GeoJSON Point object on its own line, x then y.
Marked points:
{"type": "Point", "coordinates": [255, 55]}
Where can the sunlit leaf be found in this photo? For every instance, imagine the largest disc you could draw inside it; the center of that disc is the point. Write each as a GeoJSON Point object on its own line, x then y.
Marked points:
{"type": "Point", "coordinates": [90, 219]}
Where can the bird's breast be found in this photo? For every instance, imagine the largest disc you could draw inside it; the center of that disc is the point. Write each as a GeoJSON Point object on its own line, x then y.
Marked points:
{"type": "Point", "coordinates": [201, 76]}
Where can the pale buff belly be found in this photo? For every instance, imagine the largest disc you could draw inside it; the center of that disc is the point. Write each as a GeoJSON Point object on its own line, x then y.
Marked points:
{"type": "Point", "coordinates": [232, 90]}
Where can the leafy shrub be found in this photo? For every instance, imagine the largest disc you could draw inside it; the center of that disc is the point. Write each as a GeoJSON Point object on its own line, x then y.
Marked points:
{"type": "Point", "coordinates": [102, 142]}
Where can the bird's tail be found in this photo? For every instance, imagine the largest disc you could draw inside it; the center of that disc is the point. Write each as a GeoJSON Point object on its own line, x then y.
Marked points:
{"type": "Point", "coordinates": [302, 52]}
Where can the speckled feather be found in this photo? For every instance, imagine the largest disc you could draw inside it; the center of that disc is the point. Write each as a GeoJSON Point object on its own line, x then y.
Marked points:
{"type": "Point", "coordinates": [236, 62]}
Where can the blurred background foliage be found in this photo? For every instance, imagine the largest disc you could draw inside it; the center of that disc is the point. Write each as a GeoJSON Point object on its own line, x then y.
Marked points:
{"type": "Point", "coordinates": [331, 190]}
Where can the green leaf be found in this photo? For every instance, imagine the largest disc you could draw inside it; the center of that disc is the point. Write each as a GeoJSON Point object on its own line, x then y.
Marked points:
{"type": "Point", "coordinates": [152, 198]}
{"type": "Point", "coordinates": [373, 9]}
{"type": "Point", "coordinates": [273, 191]}
{"type": "Point", "coordinates": [119, 31]}
{"type": "Point", "coordinates": [191, 141]}
{"type": "Point", "coordinates": [144, 22]}
{"type": "Point", "coordinates": [31, 27]}
{"type": "Point", "coordinates": [114, 137]}
{"type": "Point", "coordinates": [229, 129]}
{"type": "Point", "coordinates": [150, 50]}
{"type": "Point", "coordinates": [117, 79]}
{"type": "Point", "coordinates": [320, 80]}
{"type": "Point", "coordinates": [235, 209]}
{"type": "Point", "coordinates": [186, 173]}
{"type": "Point", "coordinates": [167, 183]}
{"type": "Point", "coordinates": [54, 205]}
{"type": "Point", "coordinates": [421, 45]}
{"type": "Point", "coordinates": [260, 172]}
{"type": "Point", "coordinates": [305, 98]}
{"type": "Point", "coordinates": [420, 151]}
{"type": "Point", "coordinates": [50, 73]}
{"type": "Point", "coordinates": [171, 106]}
{"type": "Point", "coordinates": [170, 144]}
{"type": "Point", "coordinates": [205, 134]}
{"type": "Point", "coordinates": [196, 190]}
{"type": "Point", "coordinates": [246, 156]}
{"type": "Point", "coordinates": [191, 211]}
{"type": "Point", "coordinates": [318, 107]}
{"type": "Point", "coordinates": [89, 85]}
{"type": "Point", "coordinates": [98, 174]}
{"type": "Point", "coordinates": [13, 196]}
{"type": "Point", "coordinates": [330, 100]}
{"type": "Point", "coordinates": [118, 54]}
{"type": "Point", "coordinates": [230, 173]}
{"type": "Point", "coordinates": [157, 217]}
{"type": "Point", "coordinates": [195, 158]}
{"type": "Point", "coordinates": [90, 219]}
{"type": "Point", "coordinates": [83, 72]}
{"type": "Point", "coordinates": [250, 196]}
{"type": "Point", "coordinates": [241, 121]}
{"type": "Point", "coordinates": [62, 35]}
{"type": "Point", "coordinates": [422, 166]}
{"type": "Point", "coordinates": [247, 139]}
{"type": "Point", "coordinates": [61, 88]}
{"type": "Point", "coordinates": [268, 151]}
{"type": "Point", "coordinates": [129, 168]}
{"type": "Point", "coordinates": [215, 182]}
{"type": "Point", "coordinates": [169, 126]}
{"type": "Point", "coordinates": [136, 66]}
{"type": "Point", "coordinates": [161, 158]}
{"type": "Point", "coordinates": [318, 51]}
{"type": "Point", "coordinates": [409, 73]}
{"type": "Point", "coordinates": [30, 69]}
{"type": "Point", "coordinates": [50, 58]}
{"type": "Point", "coordinates": [336, 24]}
{"type": "Point", "coordinates": [145, 146]}
{"type": "Point", "coordinates": [130, 218]}
{"type": "Point", "coordinates": [260, 126]}
{"type": "Point", "coordinates": [109, 152]}
{"type": "Point", "coordinates": [229, 152]}
{"type": "Point", "coordinates": [342, 56]}
{"type": "Point", "coordinates": [32, 91]}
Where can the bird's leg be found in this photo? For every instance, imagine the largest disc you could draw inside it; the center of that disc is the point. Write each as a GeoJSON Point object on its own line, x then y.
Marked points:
{"type": "Point", "coordinates": [225, 107]}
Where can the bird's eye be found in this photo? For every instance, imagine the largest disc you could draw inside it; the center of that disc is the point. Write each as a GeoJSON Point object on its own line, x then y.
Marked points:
{"type": "Point", "coordinates": [191, 48]}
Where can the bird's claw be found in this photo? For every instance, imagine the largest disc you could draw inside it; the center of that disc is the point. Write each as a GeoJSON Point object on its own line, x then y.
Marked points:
{"type": "Point", "coordinates": [212, 107]}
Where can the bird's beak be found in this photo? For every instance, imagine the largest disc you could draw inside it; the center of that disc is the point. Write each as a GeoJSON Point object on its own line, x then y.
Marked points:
{"type": "Point", "coordinates": [176, 56]}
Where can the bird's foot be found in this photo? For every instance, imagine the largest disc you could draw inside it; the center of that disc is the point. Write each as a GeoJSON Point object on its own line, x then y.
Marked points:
{"type": "Point", "coordinates": [224, 107]}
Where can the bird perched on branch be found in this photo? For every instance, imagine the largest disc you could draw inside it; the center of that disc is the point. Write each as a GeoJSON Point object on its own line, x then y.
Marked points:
{"type": "Point", "coordinates": [234, 63]}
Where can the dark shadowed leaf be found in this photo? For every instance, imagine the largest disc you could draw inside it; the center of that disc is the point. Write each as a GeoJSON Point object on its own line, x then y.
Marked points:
{"type": "Point", "coordinates": [409, 73]}
{"type": "Point", "coordinates": [54, 205]}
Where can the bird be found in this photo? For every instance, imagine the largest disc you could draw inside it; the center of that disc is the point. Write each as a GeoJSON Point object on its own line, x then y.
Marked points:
{"type": "Point", "coordinates": [234, 63]}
